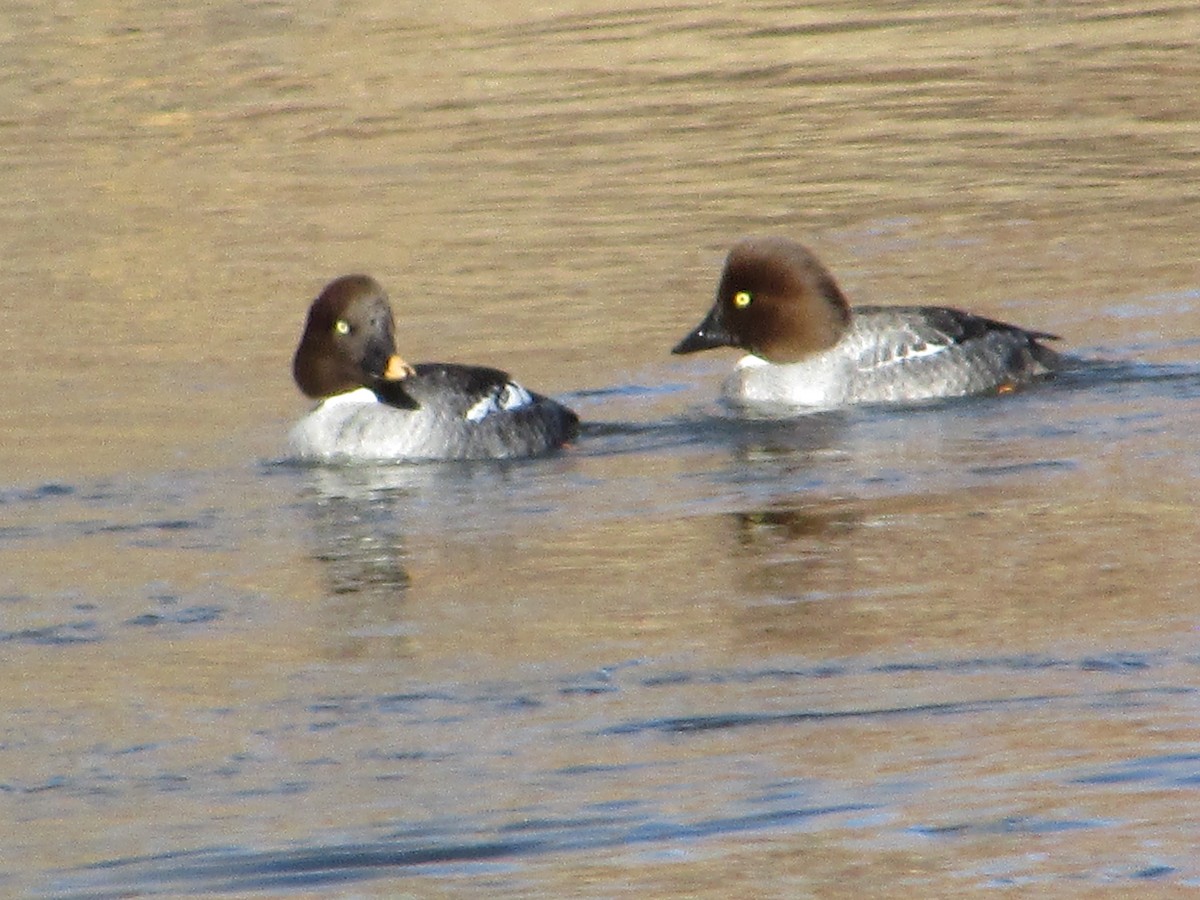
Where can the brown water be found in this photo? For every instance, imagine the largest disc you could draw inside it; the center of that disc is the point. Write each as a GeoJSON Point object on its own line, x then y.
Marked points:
{"type": "Point", "coordinates": [912, 652]}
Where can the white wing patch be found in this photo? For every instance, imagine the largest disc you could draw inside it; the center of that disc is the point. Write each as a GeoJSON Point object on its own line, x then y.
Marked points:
{"type": "Point", "coordinates": [890, 356]}
{"type": "Point", "coordinates": [511, 396]}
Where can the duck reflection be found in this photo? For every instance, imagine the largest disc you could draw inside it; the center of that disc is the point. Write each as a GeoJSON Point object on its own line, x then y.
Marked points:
{"type": "Point", "coordinates": [358, 559]}
{"type": "Point", "coordinates": [786, 550]}
{"type": "Point", "coordinates": [797, 572]}
{"type": "Point", "coordinates": [795, 440]}
{"type": "Point", "coordinates": [363, 560]}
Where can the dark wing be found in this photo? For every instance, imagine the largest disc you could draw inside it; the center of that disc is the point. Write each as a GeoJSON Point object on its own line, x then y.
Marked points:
{"type": "Point", "coordinates": [505, 417]}
{"type": "Point", "coordinates": [476, 381]}
{"type": "Point", "coordinates": [394, 393]}
{"type": "Point", "coordinates": [958, 327]}
{"type": "Point", "coordinates": [897, 335]}
{"type": "Point", "coordinates": [468, 392]}
{"type": "Point", "coordinates": [444, 384]}
{"type": "Point", "coordinates": [476, 393]}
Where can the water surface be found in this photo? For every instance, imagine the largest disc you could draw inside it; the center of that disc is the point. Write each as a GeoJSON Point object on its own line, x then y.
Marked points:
{"type": "Point", "coordinates": [929, 651]}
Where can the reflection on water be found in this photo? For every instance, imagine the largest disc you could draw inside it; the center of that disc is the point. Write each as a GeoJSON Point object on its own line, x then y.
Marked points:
{"type": "Point", "coordinates": [585, 806]}
{"type": "Point", "coordinates": [365, 578]}
{"type": "Point", "coordinates": [935, 649]}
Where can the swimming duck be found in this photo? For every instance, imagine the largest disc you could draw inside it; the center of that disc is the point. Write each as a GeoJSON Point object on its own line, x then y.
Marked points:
{"type": "Point", "coordinates": [808, 348]}
{"type": "Point", "coordinates": [373, 406]}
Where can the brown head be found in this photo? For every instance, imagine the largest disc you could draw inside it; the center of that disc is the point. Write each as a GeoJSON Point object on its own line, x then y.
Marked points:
{"type": "Point", "coordinates": [349, 340]}
{"type": "Point", "coordinates": [776, 300]}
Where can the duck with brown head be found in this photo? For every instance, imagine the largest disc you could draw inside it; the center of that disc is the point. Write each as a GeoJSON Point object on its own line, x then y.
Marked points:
{"type": "Point", "coordinates": [374, 406]}
{"type": "Point", "coordinates": [808, 348]}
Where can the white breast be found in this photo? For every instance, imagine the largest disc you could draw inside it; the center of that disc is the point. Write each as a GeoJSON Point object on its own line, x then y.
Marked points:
{"type": "Point", "coordinates": [819, 381]}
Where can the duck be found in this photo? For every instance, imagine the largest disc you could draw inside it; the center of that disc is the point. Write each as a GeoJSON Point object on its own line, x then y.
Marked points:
{"type": "Point", "coordinates": [373, 406]}
{"type": "Point", "coordinates": [807, 348]}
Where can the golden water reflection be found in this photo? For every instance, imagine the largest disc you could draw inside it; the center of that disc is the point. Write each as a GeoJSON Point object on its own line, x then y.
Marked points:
{"type": "Point", "coordinates": [204, 648]}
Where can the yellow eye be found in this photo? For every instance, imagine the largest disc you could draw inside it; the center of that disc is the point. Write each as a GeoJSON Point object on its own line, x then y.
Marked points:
{"type": "Point", "coordinates": [742, 299]}
{"type": "Point", "coordinates": [341, 326]}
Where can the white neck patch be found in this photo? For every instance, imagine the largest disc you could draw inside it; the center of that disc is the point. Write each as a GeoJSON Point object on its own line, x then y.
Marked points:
{"type": "Point", "coordinates": [359, 395]}
{"type": "Point", "coordinates": [750, 361]}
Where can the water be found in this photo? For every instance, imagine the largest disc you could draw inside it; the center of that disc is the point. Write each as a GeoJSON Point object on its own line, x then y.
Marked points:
{"type": "Point", "coordinates": [935, 650]}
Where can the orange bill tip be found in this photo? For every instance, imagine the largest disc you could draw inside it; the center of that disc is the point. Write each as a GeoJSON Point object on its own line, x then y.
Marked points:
{"type": "Point", "coordinates": [397, 369]}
